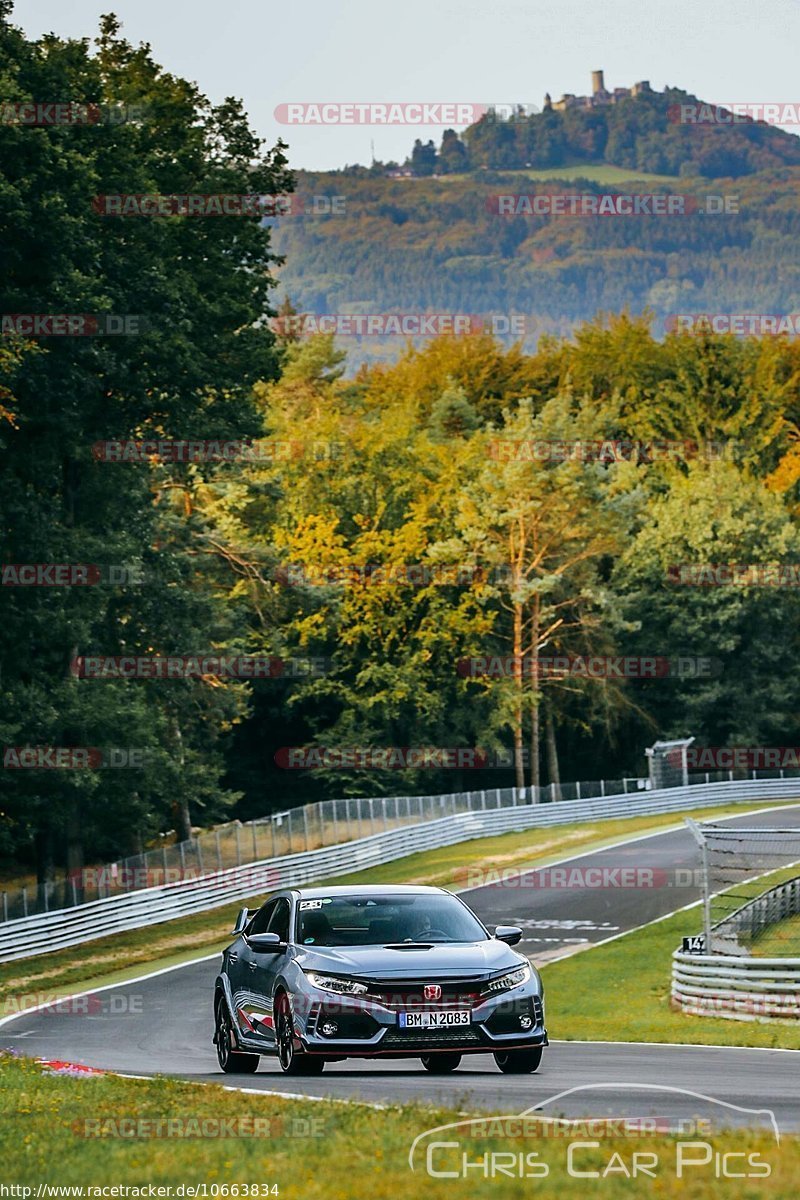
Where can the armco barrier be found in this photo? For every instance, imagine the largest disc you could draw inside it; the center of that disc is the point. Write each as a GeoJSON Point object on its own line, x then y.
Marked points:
{"type": "Point", "coordinates": [739, 986]}
{"type": "Point", "coordinates": [735, 987]}
{"type": "Point", "coordinates": [151, 906]}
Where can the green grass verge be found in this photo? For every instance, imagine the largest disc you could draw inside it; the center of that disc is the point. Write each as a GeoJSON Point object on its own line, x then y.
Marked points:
{"type": "Point", "coordinates": [621, 990]}
{"type": "Point", "coordinates": [111, 960]}
{"type": "Point", "coordinates": [315, 1151]}
{"type": "Point", "coordinates": [779, 941]}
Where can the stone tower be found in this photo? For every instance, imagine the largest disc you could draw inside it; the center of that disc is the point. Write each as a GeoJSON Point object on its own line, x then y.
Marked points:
{"type": "Point", "coordinates": [597, 82]}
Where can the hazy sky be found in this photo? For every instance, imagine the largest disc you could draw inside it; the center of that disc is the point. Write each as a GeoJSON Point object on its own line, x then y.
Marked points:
{"type": "Point", "coordinates": [474, 51]}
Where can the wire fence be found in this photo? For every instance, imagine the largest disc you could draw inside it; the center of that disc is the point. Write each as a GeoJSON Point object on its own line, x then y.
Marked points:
{"type": "Point", "coordinates": [310, 827]}
{"type": "Point", "coordinates": [750, 885]}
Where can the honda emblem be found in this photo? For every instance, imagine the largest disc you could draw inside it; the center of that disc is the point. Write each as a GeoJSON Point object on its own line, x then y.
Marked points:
{"type": "Point", "coordinates": [432, 991]}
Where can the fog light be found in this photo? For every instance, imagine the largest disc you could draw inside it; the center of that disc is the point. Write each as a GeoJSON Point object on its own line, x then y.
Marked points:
{"type": "Point", "coordinates": [330, 1028]}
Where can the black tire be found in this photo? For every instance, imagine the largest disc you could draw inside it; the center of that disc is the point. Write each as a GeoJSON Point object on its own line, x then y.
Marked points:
{"type": "Point", "coordinates": [230, 1061]}
{"type": "Point", "coordinates": [292, 1061]}
{"type": "Point", "coordinates": [440, 1064]}
{"type": "Point", "coordinates": [519, 1062]}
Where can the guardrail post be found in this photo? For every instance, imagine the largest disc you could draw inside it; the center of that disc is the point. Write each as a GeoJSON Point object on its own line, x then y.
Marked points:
{"type": "Point", "coordinates": [219, 850]}
{"type": "Point", "coordinates": [578, 788]}
{"type": "Point", "coordinates": [383, 809]}
{"type": "Point", "coordinates": [289, 829]}
{"type": "Point", "coordinates": [305, 825]}
{"type": "Point", "coordinates": [182, 849]}
{"type": "Point", "coordinates": [602, 787]}
{"type": "Point", "coordinates": [255, 843]}
{"type": "Point", "coordinates": [199, 852]}
{"type": "Point", "coordinates": [272, 831]}
{"type": "Point", "coordinates": [5, 905]}
{"type": "Point", "coordinates": [335, 827]}
{"type": "Point", "coordinates": [25, 901]}
{"type": "Point", "coordinates": [74, 894]}
{"type": "Point", "coordinates": [238, 845]}
{"type": "Point", "coordinates": [46, 897]}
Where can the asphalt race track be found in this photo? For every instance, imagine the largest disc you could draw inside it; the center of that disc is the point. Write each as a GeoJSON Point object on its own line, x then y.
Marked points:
{"type": "Point", "coordinates": [163, 1024]}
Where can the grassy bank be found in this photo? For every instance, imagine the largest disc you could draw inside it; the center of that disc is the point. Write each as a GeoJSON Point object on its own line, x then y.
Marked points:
{"type": "Point", "coordinates": [101, 1130]}
{"type": "Point", "coordinates": [621, 991]}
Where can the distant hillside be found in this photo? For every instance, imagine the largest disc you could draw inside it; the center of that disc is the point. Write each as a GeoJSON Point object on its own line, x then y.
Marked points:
{"type": "Point", "coordinates": [641, 132]}
{"type": "Point", "coordinates": [438, 245]}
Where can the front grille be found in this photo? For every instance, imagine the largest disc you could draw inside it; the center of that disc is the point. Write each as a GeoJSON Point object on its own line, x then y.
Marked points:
{"type": "Point", "coordinates": [402, 995]}
{"type": "Point", "coordinates": [435, 1039]}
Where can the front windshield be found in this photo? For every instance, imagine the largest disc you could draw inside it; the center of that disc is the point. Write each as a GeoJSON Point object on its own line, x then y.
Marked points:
{"type": "Point", "coordinates": [384, 920]}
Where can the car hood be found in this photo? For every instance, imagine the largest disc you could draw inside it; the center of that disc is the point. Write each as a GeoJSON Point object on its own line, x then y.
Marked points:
{"type": "Point", "coordinates": [473, 960]}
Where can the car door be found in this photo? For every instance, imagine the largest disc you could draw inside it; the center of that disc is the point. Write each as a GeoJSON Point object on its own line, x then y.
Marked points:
{"type": "Point", "coordinates": [249, 1001]}
{"type": "Point", "coordinates": [270, 965]}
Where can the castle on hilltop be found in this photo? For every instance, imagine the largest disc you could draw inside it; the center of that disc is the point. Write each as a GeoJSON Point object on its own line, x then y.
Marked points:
{"type": "Point", "coordinates": [598, 97]}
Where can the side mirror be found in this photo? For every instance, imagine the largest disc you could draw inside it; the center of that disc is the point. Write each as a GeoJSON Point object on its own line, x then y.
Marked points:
{"type": "Point", "coordinates": [509, 934]}
{"type": "Point", "coordinates": [241, 922]}
{"type": "Point", "coordinates": [265, 943]}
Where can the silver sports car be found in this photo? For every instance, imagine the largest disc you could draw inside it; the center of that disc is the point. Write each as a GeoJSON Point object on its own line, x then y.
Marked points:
{"type": "Point", "coordinates": [322, 974]}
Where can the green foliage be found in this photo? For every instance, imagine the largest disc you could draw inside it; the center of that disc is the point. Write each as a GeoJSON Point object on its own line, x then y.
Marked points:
{"type": "Point", "coordinates": [203, 286]}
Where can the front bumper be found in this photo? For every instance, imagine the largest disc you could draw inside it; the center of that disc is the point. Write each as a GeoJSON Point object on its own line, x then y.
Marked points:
{"type": "Point", "coordinates": [350, 1027]}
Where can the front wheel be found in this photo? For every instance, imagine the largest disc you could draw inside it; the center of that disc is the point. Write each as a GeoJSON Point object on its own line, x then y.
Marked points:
{"type": "Point", "coordinates": [231, 1061]}
{"type": "Point", "coordinates": [293, 1062]}
{"type": "Point", "coordinates": [519, 1062]}
{"type": "Point", "coordinates": [440, 1064]}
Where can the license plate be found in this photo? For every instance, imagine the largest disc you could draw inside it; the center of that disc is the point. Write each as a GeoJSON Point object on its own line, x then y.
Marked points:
{"type": "Point", "coordinates": [433, 1020]}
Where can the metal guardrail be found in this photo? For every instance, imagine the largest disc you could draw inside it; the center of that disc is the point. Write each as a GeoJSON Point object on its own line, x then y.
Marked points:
{"type": "Point", "coordinates": [308, 827]}
{"type": "Point", "coordinates": [56, 930]}
{"type": "Point", "coordinates": [737, 987]}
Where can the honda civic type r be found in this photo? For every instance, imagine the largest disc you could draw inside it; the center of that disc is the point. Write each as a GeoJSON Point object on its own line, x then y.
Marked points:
{"type": "Point", "coordinates": [319, 975]}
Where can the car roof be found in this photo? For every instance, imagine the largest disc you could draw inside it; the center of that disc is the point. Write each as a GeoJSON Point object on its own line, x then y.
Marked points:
{"type": "Point", "coordinates": [367, 889]}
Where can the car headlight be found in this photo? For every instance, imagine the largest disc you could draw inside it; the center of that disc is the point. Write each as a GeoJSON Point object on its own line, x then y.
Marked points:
{"type": "Point", "coordinates": [331, 983]}
{"type": "Point", "coordinates": [504, 982]}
